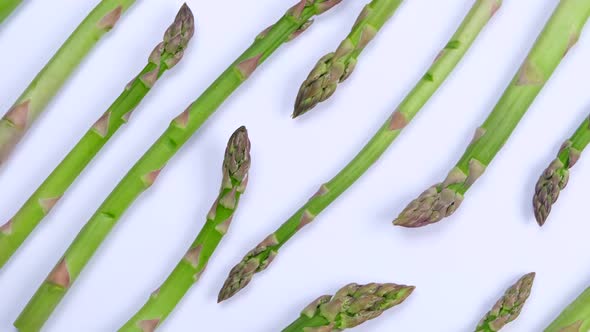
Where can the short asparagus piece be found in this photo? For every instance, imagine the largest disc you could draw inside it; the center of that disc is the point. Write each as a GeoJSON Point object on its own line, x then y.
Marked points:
{"type": "Point", "coordinates": [262, 255]}
{"type": "Point", "coordinates": [559, 35]}
{"type": "Point", "coordinates": [555, 178]}
{"type": "Point", "coordinates": [147, 169]}
{"type": "Point", "coordinates": [165, 56]}
{"type": "Point", "coordinates": [351, 306]}
{"type": "Point", "coordinates": [574, 318]}
{"type": "Point", "coordinates": [189, 269]}
{"type": "Point", "coordinates": [33, 101]}
{"type": "Point", "coordinates": [7, 7]}
{"type": "Point", "coordinates": [508, 307]}
{"type": "Point", "coordinates": [336, 67]}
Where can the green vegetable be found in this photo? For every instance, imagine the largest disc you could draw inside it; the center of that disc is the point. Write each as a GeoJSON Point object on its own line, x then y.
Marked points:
{"type": "Point", "coordinates": [574, 318]}
{"type": "Point", "coordinates": [33, 101]}
{"type": "Point", "coordinates": [189, 269]}
{"type": "Point", "coordinates": [336, 67]}
{"type": "Point", "coordinates": [165, 56]}
{"type": "Point", "coordinates": [508, 306]}
{"type": "Point", "coordinates": [7, 7]}
{"type": "Point", "coordinates": [147, 169]}
{"type": "Point", "coordinates": [262, 255]}
{"type": "Point", "coordinates": [351, 306]}
{"type": "Point", "coordinates": [560, 34]}
{"type": "Point", "coordinates": [555, 178]}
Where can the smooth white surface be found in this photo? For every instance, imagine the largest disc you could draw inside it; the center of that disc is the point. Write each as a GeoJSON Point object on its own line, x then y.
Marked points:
{"type": "Point", "coordinates": [460, 266]}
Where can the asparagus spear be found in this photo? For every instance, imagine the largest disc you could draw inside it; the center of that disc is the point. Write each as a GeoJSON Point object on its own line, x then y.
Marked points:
{"type": "Point", "coordinates": [508, 306]}
{"type": "Point", "coordinates": [189, 269]}
{"type": "Point", "coordinates": [7, 7]}
{"type": "Point", "coordinates": [165, 56]}
{"type": "Point", "coordinates": [574, 318]}
{"type": "Point", "coordinates": [351, 306]}
{"type": "Point", "coordinates": [147, 169]}
{"type": "Point", "coordinates": [262, 255]}
{"type": "Point", "coordinates": [560, 34]}
{"type": "Point", "coordinates": [336, 67]}
{"type": "Point", "coordinates": [556, 176]}
{"type": "Point", "coordinates": [33, 101]}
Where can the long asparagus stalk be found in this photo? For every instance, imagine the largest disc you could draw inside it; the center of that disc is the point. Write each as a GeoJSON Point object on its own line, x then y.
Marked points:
{"type": "Point", "coordinates": [147, 169]}
{"type": "Point", "coordinates": [349, 307]}
{"type": "Point", "coordinates": [7, 7]}
{"type": "Point", "coordinates": [334, 68]}
{"type": "Point", "coordinates": [555, 178]}
{"type": "Point", "coordinates": [508, 307]}
{"type": "Point", "coordinates": [33, 101]}
{"type": "Point", "coordinates": [189, 269]}
{"type": "Point", "coordinates": [165, 56]}
{"type": "Point", "coordinates": [559, 35]}
{"type": "Point", "coordinates": [262, 255]}
{"type": "Point", "coordinates": [574, 318]}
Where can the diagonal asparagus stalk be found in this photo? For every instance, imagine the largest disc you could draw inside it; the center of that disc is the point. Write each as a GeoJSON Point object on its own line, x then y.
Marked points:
{"type": "Point", "coordinates": [7, 7]}
{"type": "Point", "coordinates": [147, 169]}
{"type": "Point", "coordinates": [189, 269]}
{"type": "Point", "coordinates": [560, 34]}
{"type": "Point", "coordinates": [262, 255]}
{"type": "Point", "coordinates": [33, 101]}
{"type": "Point", "coordinates": [334, 68]}
{"type": "Point", "coordinates": [508, 306]}
{"type": "Point", "coordinates": [165, 56]}
{"type": "Point", "coordinates": [574, 318]}
{"type": "Point", "coordinates": [555, 178]}
{"type": "Point", "coordinates": [349, 307]}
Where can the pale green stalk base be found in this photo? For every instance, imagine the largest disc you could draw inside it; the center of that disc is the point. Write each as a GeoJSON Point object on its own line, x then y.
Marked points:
{"type": "Point", "coordinates": [262, 255]}
{"type": "Point", "coordinates": [165, 56]}
{"type": "Point", "coordinates": [336, 67]}
{"type": "Point", "coordinates": [556, 177]}
{"type": "Point", "coordinates": [7, 7]}
{"type": "Point", "coordinates": [190, 268]}
{"type": "Point", "coordinates": [146, 170]}
{"type": "Point", "coordinates": [575, 318]}
{"type": "Point", "coordinates": [39, 93]}
{"type": "Point", "coordinates": [559, 35]}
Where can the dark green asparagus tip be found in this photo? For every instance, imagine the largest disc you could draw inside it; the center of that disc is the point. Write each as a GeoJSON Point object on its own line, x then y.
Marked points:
{"type": "Point", "coordinates": [432, 206]}
{"type": "Point", "coordinates": [355, 304]}
{"type": "Point", "coordinates": [553, 180]}
{"type": "Point", "coordinates": [509, 306]}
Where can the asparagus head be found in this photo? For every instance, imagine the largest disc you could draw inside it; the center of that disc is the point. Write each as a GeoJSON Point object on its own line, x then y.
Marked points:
{"type": "Point", "coordinates": [349, 307]}
{"type": "Point", "coordinates": [508, 306]}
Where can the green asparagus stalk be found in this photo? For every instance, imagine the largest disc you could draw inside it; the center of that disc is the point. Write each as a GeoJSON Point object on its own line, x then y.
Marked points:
{"type": "Point", "coordinates": [262, 255]}
{"type": "Point", "coordinates": [559, 35]}
{"type": "Point", "coordinates": [349, 307]}
{"type": "Point", "coordinates": [574, 318]}
{"type": "Point", "coordinates": [555, 178]}
{"type": "Point", "coordinates": [165, 56]}
{"type": "Point", "coordinates": [508, 306]}
{"type": "Point", "coordinates": [334, 68]}
{"type": "Point", "coordinates": [33, 101]}
{"type": "Point", "coordinates": [189, 269]}
{"type": "Point", "coordinates": [7, 7]}
{"type": "Point", "coordinates": [146, 170]}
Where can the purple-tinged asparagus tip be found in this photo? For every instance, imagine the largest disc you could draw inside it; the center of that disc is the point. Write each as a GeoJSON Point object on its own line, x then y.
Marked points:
{"type": "Point", "coordinates": [430, 207]}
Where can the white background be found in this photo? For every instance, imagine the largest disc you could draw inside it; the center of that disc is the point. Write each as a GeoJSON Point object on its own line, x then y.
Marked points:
{"type": "Point", "coordinates": [460, 266]}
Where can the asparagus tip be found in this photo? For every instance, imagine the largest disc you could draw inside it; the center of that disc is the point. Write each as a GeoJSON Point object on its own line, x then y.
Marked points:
{"type": "Point", "coordinates": [547, 190]}
{"type": "Point", "coordinates": [430, 207]}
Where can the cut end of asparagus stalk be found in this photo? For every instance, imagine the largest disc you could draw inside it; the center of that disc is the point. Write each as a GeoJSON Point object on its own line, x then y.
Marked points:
{"type": "Point", "coordinates": [509, 306]}
{"type": "Point", "coordinates": [431, 207]}
{"type": "Point", "coordinates": [355, 304]}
